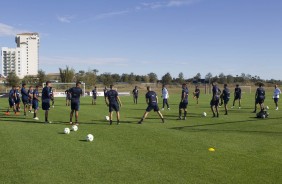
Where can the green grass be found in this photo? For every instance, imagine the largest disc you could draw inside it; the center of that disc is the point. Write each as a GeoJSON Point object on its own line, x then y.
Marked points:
{"type": "Point", "coordinates": [248, 150]}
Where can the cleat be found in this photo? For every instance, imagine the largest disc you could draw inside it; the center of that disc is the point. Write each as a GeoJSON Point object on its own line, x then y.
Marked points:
{"type": "Point", "coordinates": [163, 120]}
{"type": "Point", "coordinates": [168, 109]}
{"type": "Point", "coordinates": [162, 109]}
{"type": "Point", "coordinates": [179, 118]}
{"type": "Point", "coordinates": [232, 107]}
{"type": "Point", "coordinates": [184, 118]}
{"type": "Point", "coordinates": [76, 123]}
{"type": "Point", "coordinates": [36, 118]}
{"type": "Point", "coordinates": [71, 123]}
{"type": "Point", "coordinates": [140, 122]}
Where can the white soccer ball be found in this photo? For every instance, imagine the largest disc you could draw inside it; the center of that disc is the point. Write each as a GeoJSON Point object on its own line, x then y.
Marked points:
{"type": "Point", "coordinates": [89, 138]}
{"type": "Point", "coordinates": [263, 116]}
{"type": "Point", "coordinates": [67, 131]}
{"type": "Point", "coordinates": [267, 107]}
{"type": "Point", "coordinates": [107, 118]}
{"type": "Point", "coordinates": [204, 114]}
{"type": "Point", "coordinates": [74, 128]}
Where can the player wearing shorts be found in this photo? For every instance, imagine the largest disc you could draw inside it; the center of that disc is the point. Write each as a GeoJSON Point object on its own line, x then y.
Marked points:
{"type": "Point", "coordinates": [225, 97]}
{"type": "Point", "coordinates": [184, 102]}
{"type": "Point", "coordinates": [35, 102]}
{"type": "Point", "coordinates": [197, 94]}
{"type": "Point", "coordinates": [152, 101]}
{"type": "Point", "coordinates": [25, 97]}
{"type": "Point", "coordinates": [75, 92]}
{"type": "Point", "coordinates": [30, 97]}
{"type": "Point", "coordinates": [11, 99]}
{"type": "Point", "coordinates": [165, 97]}
{"type": "Point", "coordinates": [46, 98]}
{"type": "Point", "coordinates": [135, 94]}
{"type": "Point", "coordinates": [113, 102]}
{"type": "Point", "coordinates": [94, 95]}
{"type": "Point", "coordinates": [18, 99]}
{"type": "Point", "coordinates": [68, 97]}
{"type": "Point", "coordinates": [215, 99]}
{"type": "Point", "coordinates": [276, 94]}
{"type": "Point", "coordinates": [259, 98]}
{"type": "Point", "coordinates": [237, 95]}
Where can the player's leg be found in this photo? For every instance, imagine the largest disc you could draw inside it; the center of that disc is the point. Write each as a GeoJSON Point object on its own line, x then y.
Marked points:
{"type": "Point", "coordinates": [256, 102]}
{"type": "Point", "coordinates": [118, 117]}
{"type": "Point", "coordinates": [111, 117]}
{"type": "Point", "coordinates": [161, 116]}
{"type": "Point", "coordinates": [239, 103]}
{"type": "Point", "coordinates": [164, 102]}
{"type": "Point", "coordinates": [226, 108]}
{"type": "Point", "coordinates": [167, 104]}
{"type": "Point", "coordinates": [46, 116]}
{"type": "Point", "coordinates": [71, 115]}
{"type": "Point", "coordinates": [76, 117]}
{"type": "Point", "coordinates": [276, 103]}
{"type": "Point", "coordinates": [144, 117]}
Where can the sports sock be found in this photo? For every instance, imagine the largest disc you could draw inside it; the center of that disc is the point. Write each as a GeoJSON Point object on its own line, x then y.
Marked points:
{"type": "Point", "coordinates": [185, 113]}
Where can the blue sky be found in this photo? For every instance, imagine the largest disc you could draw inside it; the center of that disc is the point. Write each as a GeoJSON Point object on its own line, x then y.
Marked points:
{"type": "Point", "coordinates": [143, 36]}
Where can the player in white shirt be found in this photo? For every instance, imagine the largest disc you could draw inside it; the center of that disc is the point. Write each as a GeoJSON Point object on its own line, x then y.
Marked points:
{"type": "Point", "coordinates": [165, 97]}
{"type": "Point", "coordinates": [276, 94]}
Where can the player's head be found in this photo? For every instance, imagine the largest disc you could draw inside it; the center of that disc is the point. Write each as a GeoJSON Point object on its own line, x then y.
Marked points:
{"type": "Point", "coordinates": [14, 87]}
{"type": "Point", "coordinates": [111, 86]}
{"type": "Point", "coordinates": [135, 87]}
{"type": "Point", "coordinates": [148, 88]}
{"type": "Point", "coordinates": [163, 85]}
{"type": "Point", "coordinates": [95, 87]}
{"type": "Point", "coordinates": [260, 84]}
{"type": "Point", "coordinates": [37, 86]}
{"type": "Point", "coordinates": [184, 85]}
{"type": "Point", "coordinates": [214, 84]}
{"type": "Point", "coordinates": [48, 83]}
{"type": "Point", "coordinates": [225, 85]}
{"type": "Point", "coordinates": [275, 86]}
{"type": "Point", "coordinates": [30, 87]}
{"type": "Point", "coordinates": [23, 85]}
{"type": "Point", "coordinates": [237, 85]}
{"type": "Point", "coordinates": [197, 86]}
{"type": "Point", "coordinates": [78, 84]}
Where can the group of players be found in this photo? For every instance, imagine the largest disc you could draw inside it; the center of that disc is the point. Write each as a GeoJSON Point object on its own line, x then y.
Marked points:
{"type": "Point", "coordinates": [30, 99]}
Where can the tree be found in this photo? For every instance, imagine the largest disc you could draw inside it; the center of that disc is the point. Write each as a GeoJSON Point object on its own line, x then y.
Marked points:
{"type": "Point", "coordinates": [131, 78]}
{"type": "Point", "coordinates": [230, 79]}
{"type": "Point", "coordinates": [90, 78]}
{"type": "Point", "coordinates": [153, 77]}
{"type": "Point", "coordinates": [166, 79]}
{"type": "Point", "coordinates": [67, 75]}
{"type": "Point", "coordinates": [124, 77]}
{"type": "Point", "coordinates": [197, 77]}
{"type": "Point", "coordinates": [106, 79]}
{"type": "Point", "coordinates": [42, 78]}
{"type": "Point", "coordinates": [12, 79]}
{"type": "Point", "coordinates": [181, 79]}
{"type": "Point", "coordinates": [222, 78]}
{"type": "Point", "coordinates": [208, 77]}
{"type": "Point", "coordinates": [29, 79]}
{"type": "Point", "coordinates": [116, 77]}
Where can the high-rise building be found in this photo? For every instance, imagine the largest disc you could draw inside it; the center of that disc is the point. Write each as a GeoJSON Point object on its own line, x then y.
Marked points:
{"type": "Point", "coordinates": [24, 59]}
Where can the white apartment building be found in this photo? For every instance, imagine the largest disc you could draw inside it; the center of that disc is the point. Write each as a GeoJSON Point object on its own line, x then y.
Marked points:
{"type": "Point", "coordinates": [24, 59]}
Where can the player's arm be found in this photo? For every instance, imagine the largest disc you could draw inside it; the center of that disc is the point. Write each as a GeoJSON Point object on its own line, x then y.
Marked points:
{"type": "Point", "coordinates": [119, 101]}
{"type": "Point", "coordinates": [157, 99]}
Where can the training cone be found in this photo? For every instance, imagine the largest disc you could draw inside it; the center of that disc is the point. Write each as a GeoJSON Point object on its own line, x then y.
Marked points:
{"type": "Point", "coordinates": [211, 149]}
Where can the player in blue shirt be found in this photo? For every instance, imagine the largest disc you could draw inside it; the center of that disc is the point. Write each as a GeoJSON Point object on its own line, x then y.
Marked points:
{"type": "Point", "coordinates": [12, 97]}
{"type": "Point", "coordinates": [215, 99]}
{"type": "Point", "coordinates": [68, 97]}
{"type": "Point", "coordinates": [75, 92]}
{"type": "Point", "coordinates": [25, 97]}
{"type": "Point", "coordinates": [225, 96]}
{"type": "Point", "coordinates": [197, 94]}
{"type": "Point", "coordinates": [105, 92]}
{"type": "Point", "coordinates": [259, 98]}
{"type": "Point", "coordinates": [18, 99]}
{"type": "Point", "coordinates": [113, 101]}
{"type": "Point", "coordinates": [30, 97]}
{"type": "Point", "coordinates": [46, 98]}
{"type": "Point", "coordinates": [35, 102]}
{"type": "Point", "coordinates": [237, 95]}
{"type": "Point", "coordinates": [94, 95]}
{"type": "Point", "coordinates": [152, 101]}
{"type": "Point", "coordinates": [135, 95]}
{"type": "Point", "coordinates": [184, 102]}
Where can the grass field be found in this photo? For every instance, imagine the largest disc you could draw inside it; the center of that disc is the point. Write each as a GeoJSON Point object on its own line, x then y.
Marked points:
{"type": "Point", "coordinates": [247, 150]}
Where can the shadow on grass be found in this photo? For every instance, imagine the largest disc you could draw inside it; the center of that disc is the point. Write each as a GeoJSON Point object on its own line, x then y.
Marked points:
{"type": "Point", "coordinates": [193, 128]}
{"type": "Point", "coordinates": [83, 140]}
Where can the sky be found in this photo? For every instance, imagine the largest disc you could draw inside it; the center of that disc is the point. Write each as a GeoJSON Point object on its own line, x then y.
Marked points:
{"type": "Point", "coordinates": [143, 36]}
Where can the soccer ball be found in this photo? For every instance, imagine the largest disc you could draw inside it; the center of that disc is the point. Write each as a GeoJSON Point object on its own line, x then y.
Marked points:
{"type": "Point", "coordinates": [267, 107]}
{"type": "Point", "coordinates": [263, 116]}
{"type": "Point", "coordinates": [107, 118]}
{"type": "Point", "coordinates": [204, 114]}
{"type": "Point", "coordinates": [89, 138]}
{"type": "Point", "coordinates": [74, 128]}
{"type": "Point", "coordinates": [67, 131]}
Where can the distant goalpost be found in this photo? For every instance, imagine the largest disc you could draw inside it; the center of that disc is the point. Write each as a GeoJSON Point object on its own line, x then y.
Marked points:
{"type": "Point", "coordinates": [246, 89]}
{"type": "Point", "coordinates": [60, 88]}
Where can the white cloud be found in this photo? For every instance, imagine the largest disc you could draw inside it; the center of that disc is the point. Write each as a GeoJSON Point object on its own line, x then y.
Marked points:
{"type": "Point", "coordinates": [66, 18]}
{"type": "Point", "coordinates": [110, 14]}
{"type": "Point", "coordinates": [7, 30]}
{"type": "Point", "coordinates": [166, 4]}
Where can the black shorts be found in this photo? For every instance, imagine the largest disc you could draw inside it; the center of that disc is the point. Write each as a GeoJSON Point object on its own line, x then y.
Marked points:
{"type": "Point", "coordinates": [259, 100]}
{"type": "Point", "coordinates": [197, 96]}
{"type": "Point", "coordinates": [276, 100]}
{"type": "Point", "coordinates": [45, 105]}
{"type": "Point", "coordinates": [75, 106]}
{"type": "Point", "coordinates": [226, 101]}
{"type": "Point", "coordinates": [113, 107]}
{"type": "Point", "coordinates": [35, 104]}
{"type": "Point", "coordinates": [94, 97]}
{"type": "Point", "coordinates": [152, 107]}
{"type": "Point", "coordinates": [11, 103]}
{"type": "Point", "coordinates": [237, 97]}
{"type": "Point", "coordinates": [25, 101]}
{"type": "Point", "coordinates": [183, 105]}
{"type": "Point", "coordinates": [17, 101]}
{"type": "Point", "coordinates": [214, 102]}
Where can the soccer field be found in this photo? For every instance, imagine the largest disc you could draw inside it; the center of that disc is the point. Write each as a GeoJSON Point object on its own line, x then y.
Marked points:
{"type": "Point", "coordinates": [247, 149]}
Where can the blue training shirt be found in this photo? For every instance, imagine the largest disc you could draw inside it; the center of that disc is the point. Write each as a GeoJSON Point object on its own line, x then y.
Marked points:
{"type": "Point", "coordinates": [75, 92]}
{"type": "Point", "coordinates": [112, 96]}
{"type": "Point", "coordinates": [46, 94]}
{"type": "Point", "coordinates": [184, 95]}
{"type": "Point", "coordinates": [152, 97]}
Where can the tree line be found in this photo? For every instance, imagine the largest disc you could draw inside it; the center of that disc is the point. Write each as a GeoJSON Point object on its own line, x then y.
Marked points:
{"type": "Point", "coordinates": [92, 76]}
